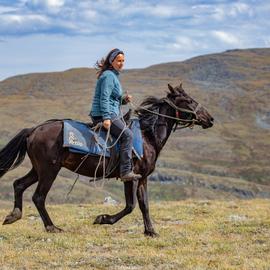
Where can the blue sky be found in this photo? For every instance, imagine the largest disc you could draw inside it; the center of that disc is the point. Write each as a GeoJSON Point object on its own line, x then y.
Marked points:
{"type": "Point", "coordinates": [55, 35]}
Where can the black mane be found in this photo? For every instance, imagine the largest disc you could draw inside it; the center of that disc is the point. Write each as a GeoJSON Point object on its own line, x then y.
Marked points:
{"type": "Point", "coordinates": [148, 119]}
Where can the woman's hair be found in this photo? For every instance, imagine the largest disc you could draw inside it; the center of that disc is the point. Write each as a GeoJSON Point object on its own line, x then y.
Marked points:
{"type": "Point", "coordinates": [106, 63]}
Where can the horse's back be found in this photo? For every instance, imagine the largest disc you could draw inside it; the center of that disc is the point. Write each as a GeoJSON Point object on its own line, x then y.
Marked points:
{"type": "Point", "coordinates": [46, 139]}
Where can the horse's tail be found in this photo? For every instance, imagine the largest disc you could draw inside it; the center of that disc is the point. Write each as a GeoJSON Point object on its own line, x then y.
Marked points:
{"type": "Point", "coordinates": [12, 155]}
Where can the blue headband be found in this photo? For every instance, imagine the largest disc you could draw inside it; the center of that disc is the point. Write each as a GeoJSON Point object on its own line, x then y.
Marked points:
{"type": "Point", "coordinates": [114, 54]}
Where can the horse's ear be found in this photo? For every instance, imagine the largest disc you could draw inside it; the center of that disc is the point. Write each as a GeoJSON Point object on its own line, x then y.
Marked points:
{"type": "Point", "coordinates": [181, 86]}
{"type": "Point", "coordinates": [171, 89]}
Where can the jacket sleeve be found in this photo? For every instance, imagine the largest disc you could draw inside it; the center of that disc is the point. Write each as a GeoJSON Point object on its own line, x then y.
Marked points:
{"type": "Point", "coordinates": [106, 88]}
{"type": "Point", "coordinates": [123, 100]}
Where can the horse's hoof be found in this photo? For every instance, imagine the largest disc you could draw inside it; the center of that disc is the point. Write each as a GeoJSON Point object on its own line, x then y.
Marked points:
{"type": "Point", "coordinates": [151, 234]}
{"type": "Point", "coordinates": [15, 215]}
{"type": "Point", "coordinates": [53, 229]}
{"type": "Point", "coordinates": [99, 219]}
{"type": "Point", "coordinates": [102, 219]}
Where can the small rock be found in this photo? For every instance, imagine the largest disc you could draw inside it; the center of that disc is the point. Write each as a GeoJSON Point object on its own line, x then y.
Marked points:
{"type": "Point", "coordinates": [110, 201]}
{"type": "Point", "coordinates": [48, 240]}
{"type": "Point", "coordinates": [2, 237]}
{"type": "Point", "coordinates": [237, 218]}
{"type": "Point", "coordinates": [178, 222]}
{"type": "Point", "coordinates": [260, 241]}
{"type": "Point", "coordinates": [33, 217]}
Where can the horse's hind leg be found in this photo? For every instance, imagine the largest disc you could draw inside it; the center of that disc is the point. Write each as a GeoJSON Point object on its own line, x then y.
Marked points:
{"type": "Point", "coordinates": [20, 185]}
{"type": "Point", "coordinates": [45, 179]}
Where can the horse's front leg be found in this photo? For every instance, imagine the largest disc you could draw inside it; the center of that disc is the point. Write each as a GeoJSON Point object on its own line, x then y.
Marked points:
{"type": "Point", "coordinates": [130, 195]}
{"type": "Point", "coordinates": [142, 196]}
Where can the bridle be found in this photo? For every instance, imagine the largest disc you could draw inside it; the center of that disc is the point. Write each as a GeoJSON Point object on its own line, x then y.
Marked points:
{"type": "Point", "coordinates": [184, 123]}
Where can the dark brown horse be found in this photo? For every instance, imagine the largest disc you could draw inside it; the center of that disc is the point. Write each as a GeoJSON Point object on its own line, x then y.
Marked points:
{"type": "Point", "coordinates": [44, 143]}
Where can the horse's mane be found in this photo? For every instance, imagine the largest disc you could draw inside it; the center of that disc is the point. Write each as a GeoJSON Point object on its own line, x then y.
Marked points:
{"type": "Point", "coordinates": [148, 119]}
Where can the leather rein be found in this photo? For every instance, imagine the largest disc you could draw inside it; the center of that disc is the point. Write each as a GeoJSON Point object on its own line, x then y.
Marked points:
{"type": "Point", "coordinates": [184, 123]}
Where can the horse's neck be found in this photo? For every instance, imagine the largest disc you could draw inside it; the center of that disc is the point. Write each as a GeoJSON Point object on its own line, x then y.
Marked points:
{"type": "Point", "coordinates": [163, 140]}
{"type": "Point", "coordinates": [163, 129]}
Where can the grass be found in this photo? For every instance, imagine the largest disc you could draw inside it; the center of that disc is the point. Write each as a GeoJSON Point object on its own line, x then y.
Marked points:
{"type": "Point", "coordinates": [194, 234]}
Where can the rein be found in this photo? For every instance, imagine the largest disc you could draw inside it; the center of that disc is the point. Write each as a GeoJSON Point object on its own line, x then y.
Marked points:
{"type": "Point", "coordinates": [179, 121]}
{"type": "Point", "coordinates": [183, 122]}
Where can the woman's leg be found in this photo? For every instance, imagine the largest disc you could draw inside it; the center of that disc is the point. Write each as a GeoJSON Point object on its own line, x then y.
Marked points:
{"type": "Point", "coordinates": [118, 128]}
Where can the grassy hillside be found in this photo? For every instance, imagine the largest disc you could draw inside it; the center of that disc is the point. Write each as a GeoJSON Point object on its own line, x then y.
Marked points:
{"type": "Point", "coordinates": [194, 234]}
{"type": "Point", "coordinates": [234, 86]}
{"type": "Point", "coordinates": [176, 186]}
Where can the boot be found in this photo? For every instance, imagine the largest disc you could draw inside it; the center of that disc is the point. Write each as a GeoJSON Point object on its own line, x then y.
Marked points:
{"type": "Point", "coordinates": [130, 177]}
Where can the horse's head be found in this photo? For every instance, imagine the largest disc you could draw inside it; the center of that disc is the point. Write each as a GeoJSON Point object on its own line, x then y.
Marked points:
{"type": "Point", "coordinates": [187, 108]}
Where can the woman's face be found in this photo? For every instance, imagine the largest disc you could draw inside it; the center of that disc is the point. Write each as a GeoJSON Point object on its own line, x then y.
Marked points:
{"type": "Point", "coordinates": [118, 62]}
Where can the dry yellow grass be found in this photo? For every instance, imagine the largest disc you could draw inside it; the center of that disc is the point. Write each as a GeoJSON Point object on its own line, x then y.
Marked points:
{"type": "Point", "coordinates": [193, 235]}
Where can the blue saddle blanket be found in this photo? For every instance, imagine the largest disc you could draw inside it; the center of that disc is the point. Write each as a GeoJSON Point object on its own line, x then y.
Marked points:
{"type": "Point", "coordinates": [80, 138]}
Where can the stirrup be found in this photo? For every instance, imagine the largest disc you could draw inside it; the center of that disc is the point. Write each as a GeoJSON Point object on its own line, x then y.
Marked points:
{"type": "Point", "coordinates": [130, 177]}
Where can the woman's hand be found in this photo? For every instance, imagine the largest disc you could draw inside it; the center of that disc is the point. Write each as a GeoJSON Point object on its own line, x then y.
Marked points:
{"type": "Point", "coordinates": [128, 98]}
{"type": "Point", "coordinates": [107, 123]}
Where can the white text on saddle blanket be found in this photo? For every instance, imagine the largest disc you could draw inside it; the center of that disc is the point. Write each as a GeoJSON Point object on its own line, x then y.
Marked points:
{"type": "Point", "coordinates": [72, 139]}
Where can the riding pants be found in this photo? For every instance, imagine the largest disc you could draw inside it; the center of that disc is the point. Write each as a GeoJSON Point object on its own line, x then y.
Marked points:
{"type": "Point", "coordinates": [119, 128]}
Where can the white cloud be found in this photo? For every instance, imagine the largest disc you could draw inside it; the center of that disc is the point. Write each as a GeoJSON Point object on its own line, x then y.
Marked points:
{"type": "Point", "coordinates": [53, 6]}
{"type": "Point", "coordinates": [47, 3]}
{"type": "Point", "coordinates": [24, 23]}
{"type": "Point", "coordinates": [89, 14]}
{"type": "Point", "coordinates": [162, 11]}
{"type": "Point", "coordinates": [226, 37]}
{"type": "Point", "coordinates": [5, 9]}
{"type": "Point", "coordinates": [185, 43]}
{"type": "Point", "coordinates": [55, 3]}
{"type": "Point", "coordinates": [219, 13]}
{"type": "Point", "coordinates": [222, 12]}
{"type": "Point", "coordinates": [240, 8]}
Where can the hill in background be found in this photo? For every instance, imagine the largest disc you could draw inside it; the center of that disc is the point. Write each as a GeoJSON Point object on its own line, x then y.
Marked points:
{"type": "Point", "coordinates": [230, 159]}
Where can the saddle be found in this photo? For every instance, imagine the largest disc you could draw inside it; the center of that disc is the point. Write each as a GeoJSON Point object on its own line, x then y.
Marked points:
{"type": "Point", "coordinates": [84, 138]}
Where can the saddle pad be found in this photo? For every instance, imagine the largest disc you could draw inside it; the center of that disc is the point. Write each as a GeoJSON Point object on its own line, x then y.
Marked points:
{"type": "Point", "coordinates": [80, 138]}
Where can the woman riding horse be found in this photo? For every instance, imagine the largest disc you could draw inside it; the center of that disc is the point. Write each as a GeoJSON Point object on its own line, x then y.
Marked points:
{"type": "Point", "coordinates": [44, 146]}
{"type": "Point", "coordinates": [106, 104]}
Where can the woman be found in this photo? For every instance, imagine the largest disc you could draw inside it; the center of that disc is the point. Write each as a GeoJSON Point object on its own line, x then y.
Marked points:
{"type": "Point", "coordinates": [106, 108]}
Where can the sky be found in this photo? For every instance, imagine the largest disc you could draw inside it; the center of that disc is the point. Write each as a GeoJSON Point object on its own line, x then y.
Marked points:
{"type": "Point", "coordinates": [56, 35]}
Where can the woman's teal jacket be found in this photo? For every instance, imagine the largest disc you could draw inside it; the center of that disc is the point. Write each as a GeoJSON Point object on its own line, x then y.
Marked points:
{"type": "Point", "coordinates": [108, 95]}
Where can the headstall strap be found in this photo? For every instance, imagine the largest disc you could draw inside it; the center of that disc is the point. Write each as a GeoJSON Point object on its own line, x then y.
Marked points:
{"type": "Point", "coordinates": [177, 115]}
{"type": "Point", "coordinates": [197, 108]}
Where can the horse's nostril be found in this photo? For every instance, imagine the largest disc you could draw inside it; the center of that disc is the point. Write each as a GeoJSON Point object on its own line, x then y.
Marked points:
{"type": "Point", "coordinates": [212, 119]}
